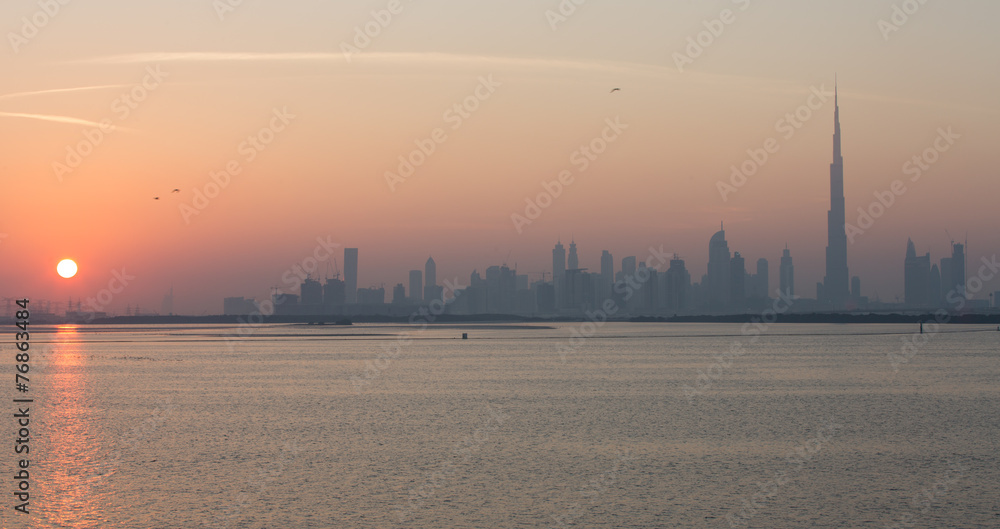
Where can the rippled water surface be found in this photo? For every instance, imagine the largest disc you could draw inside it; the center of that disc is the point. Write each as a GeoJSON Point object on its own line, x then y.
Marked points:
{"type": "Point", "coordinates": [622, 425]}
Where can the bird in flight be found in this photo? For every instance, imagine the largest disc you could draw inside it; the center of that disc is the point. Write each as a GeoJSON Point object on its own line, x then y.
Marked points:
{"type": "Point", "coordinates": [156, 198]}
{"type": "Point", "coordinates": [613, 90]}
{"type": "Point", "coordinates": [176, 191]}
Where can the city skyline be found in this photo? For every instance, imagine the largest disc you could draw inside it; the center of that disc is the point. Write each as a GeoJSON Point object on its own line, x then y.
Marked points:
{"type": "Point", "coordinates": [304, 140]}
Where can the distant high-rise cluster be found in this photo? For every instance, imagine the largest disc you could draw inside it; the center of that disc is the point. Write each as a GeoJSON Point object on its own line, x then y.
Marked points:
{"type": "Point", "coordinates": [640, 286]}
{"type": "Point", "coordinates": [926, 285]}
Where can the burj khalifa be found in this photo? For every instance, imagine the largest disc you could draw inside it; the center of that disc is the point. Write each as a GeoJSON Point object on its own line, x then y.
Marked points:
{"type": "Point", "coordinates": [836, 287]}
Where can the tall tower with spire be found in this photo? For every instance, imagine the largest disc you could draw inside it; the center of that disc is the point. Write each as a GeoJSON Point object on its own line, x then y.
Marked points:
{"type": "Point", "coordinates": [836, 284]}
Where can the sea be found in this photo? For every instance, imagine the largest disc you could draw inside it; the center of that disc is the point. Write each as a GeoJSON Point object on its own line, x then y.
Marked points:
{"type": "Point", "coordinates": [564, 425]}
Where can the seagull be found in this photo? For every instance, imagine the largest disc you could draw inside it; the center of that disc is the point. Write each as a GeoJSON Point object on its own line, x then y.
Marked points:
{"type": "Point", "coordinates": [613, 90]}
{"type": "Point", "coordinates": [176, 191]}
{"type": "Point", "coordinates": [156, 198]}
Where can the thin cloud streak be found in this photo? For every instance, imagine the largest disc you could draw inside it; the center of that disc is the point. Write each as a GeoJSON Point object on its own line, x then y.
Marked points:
{"type": "Point", "coordinates": [61, 91]}
{"type": "Point", "coordinates": [380, 57]}
{"type": "Point", "coordinates": [55, 119]}
{"type": "Point", "coordinates": [769, 85]}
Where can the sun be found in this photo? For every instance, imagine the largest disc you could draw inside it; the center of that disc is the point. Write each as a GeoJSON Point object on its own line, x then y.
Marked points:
{"type": "Point", "coordinates": [66, 268]}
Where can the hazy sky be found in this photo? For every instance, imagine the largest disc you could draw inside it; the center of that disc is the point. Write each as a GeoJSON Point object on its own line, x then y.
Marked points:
{"type": "Point", "coordinates": [337, 123]}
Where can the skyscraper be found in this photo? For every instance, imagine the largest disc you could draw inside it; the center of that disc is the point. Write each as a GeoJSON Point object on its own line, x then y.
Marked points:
{"type": "Point", "coordinates": [718, 271]}
{"type": "Point", "coordinates": [430, 280]}
{"type": "Point", "coordinates": [607, 274]}
{"type": "Point", "coordinates": [574, 260]}
{"type": "Point", "coordinates": [762, 280]}
{"type": "Point", "coordinates": [416, 286]}
{"type": "Point", "coordinates": [628, 267]}
{"type": "Point", "coordinates": [558, 262]}
{"type": "Point", "coordinates": [678, 282]}
{"type": "Point", "coordinates": [398, 294]}
{"type": "Point", "coordinates": [916, 277]}
{"type": "Point", "coordinates": [786, 274]}
{"type": "Point", "coordinates": [836, 288]}
{"type": "Point", "coordinates": [737, 282]}
{"type": "Point", "coordinates": [957, 282]}
{"type": "Point", "coordinates": [351, 275]}
{"type": "Point", "coordinates": [558, 269]}
{"type": "Point", "coordinates": [935, 285]}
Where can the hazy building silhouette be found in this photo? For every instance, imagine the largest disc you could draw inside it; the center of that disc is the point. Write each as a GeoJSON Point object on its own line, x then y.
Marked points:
{"type": "Point", "coordinates": [399, 294]}
{"type": "Point", "coordinates": [935, 286]}
{"type": "Point", "coordinates": [311, 293]}
{"type": "Point", "coordinates": [371, 296]}
{"type": "Point", "coordinates": [237, 306]}
{"type": "Point", "coordinates": [574, 260]}
{"type": "Point", "coordinates": [578, 291]}
{"type": "Point", "coordinates": [678, 283]}
{"type": "Point", "coordinates": [351, 274]}
{"type": "Point", "coordinates": [545, 297]}
{"type": "Point", "coordinates": [416, 286]}
{"type": "Point", "coordinates": [719, 271]}
{"type": "Point", "coordinates": [786, 274]}
{"type": "Point", "coordinates": [628, 268]}
{"type": "Point", "coordinates": [558, 261]}
{"type": "Point", "coordinates": [737, 282]}
{"type": "Point", "coordinates": [471, 299]}
{"type": "Point", "coordinates": [430, 281]}
{"type": "Point", "coordinates": [946, 279]}
{"type": "Point", "coordinates": [762, 280]}
{"type": "Point", "coordinates": [835, 288]}
{"type": "Point", "coordinates": [916, 277]}
{"type": "Point", "coordinates": [957, 282]}
{"type": "Point", "coordinates": [856, 296]}
{"type": "Point", "coordinates": [501, 290]}
{"type": "Point", "coordinates": [334, 295]}
{"type": "Point", "coordinates": [285, 303]}
{"type": "Point", "coordinates": [649, 289]}
{"type": "Point", "coordinates": [607, 274]}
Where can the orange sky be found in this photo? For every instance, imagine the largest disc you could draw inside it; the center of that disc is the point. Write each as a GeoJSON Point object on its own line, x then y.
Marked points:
{"type": "Point", "coordinates": [324, 173]}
